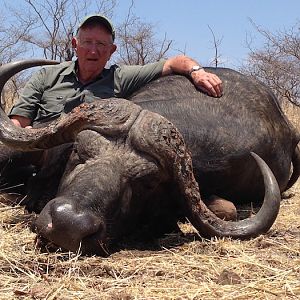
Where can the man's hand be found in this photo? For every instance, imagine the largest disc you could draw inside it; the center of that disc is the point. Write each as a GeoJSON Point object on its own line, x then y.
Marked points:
{"type": "Point", "coordinates": [21, 121]}
{"type": "Point", "coordinates": [207, 82]}
{"type": "Point", "coordinates": [204, 81]}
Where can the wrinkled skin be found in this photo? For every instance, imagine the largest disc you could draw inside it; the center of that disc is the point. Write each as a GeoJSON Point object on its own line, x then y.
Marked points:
{"type": "Point", "coordinates": [130, 167]}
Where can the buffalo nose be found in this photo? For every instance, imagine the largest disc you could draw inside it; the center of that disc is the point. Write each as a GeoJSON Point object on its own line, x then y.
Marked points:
{"type": "Point", "coordinates": [66, 226]}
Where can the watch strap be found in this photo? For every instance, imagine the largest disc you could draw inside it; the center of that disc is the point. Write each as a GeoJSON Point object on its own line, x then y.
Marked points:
{"type": "Point", "coordinates": [195, 68]}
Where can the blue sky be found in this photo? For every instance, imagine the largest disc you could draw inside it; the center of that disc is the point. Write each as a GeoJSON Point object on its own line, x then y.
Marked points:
{"type": "Point", "coordinates": [186, 22]}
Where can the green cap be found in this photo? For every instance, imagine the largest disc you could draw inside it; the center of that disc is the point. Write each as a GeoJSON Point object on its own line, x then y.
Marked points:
{"type": "Point", "coordinates": [102, 20]}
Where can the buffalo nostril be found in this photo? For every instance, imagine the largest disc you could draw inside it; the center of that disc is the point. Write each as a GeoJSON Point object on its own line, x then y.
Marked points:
{"type": "Point", "coordinates": [65, 226]}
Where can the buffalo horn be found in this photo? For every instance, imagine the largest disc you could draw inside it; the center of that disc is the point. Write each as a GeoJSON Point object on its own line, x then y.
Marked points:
{"type": "Point", "coordinates": [165, 143]}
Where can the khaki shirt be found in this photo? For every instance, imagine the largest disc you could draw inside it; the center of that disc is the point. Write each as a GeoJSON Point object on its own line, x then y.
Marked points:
{"type": "Point", "coordinates": [56, 89]}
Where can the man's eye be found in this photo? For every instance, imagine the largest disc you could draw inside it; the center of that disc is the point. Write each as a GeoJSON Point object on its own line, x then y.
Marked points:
{"type": "Point", "coordinates": [90, 44]}
{"type": "Point", "coordinates": [87, 43]}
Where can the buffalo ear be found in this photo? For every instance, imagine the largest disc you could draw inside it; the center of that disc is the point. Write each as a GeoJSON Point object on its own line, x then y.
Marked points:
{"type": "Point", "coordinates": [159, 139]}
{"type": "Point", "coordinates": [145, 171]}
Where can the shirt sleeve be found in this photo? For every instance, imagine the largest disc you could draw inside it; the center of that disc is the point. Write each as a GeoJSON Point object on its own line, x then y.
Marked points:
{"type": "Point", "coordinates": [30, 97]}
{"type": "Point", "coordinates": [128, 79]}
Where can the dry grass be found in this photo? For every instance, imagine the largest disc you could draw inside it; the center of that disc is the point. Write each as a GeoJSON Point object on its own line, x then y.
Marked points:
{"type": "Point", "coordinates": [183, 267]}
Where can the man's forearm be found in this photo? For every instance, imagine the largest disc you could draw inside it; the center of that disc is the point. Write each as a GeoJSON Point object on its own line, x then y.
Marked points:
{"type": "Point", "coordinates": [178, 65]}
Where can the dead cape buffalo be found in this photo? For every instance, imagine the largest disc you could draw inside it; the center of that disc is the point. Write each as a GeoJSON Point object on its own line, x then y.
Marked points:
{"type": "Point", "coordinates": [129, 167]}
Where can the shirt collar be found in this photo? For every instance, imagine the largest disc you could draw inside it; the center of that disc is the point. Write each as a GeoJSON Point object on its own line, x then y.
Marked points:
{"type": "Point", "coordinates": [70, 69]}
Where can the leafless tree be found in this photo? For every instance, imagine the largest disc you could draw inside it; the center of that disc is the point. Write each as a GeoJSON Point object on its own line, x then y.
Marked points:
{"type": "Point", "coordinates": [216, 43]}
{"type": "Point", "coordinates": [11, 47]}
{"type": "Point", "coordinates": [278, 62]}
{"type": "Point", "coordinates": [137, 42]}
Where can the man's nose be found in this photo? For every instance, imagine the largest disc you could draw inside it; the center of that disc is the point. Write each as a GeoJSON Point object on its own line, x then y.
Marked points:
{"type": "Point", "coordinates": [93, 48]}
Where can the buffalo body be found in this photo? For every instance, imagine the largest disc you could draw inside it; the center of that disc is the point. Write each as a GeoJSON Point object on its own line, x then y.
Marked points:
{"type": "Point", "coordinates": [112, 166]}
{"type": "Point", "coordinates": [221, 132]}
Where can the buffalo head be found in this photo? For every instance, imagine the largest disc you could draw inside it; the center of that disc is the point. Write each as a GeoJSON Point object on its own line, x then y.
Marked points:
{"type": "Point", "coordinates": [123, 159]}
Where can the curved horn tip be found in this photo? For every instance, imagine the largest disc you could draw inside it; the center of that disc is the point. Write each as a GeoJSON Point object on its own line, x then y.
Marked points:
{"type": "Point", "coordinates": [260, 161]}
{"type": "Point", "coordinates": [255, 156]}
{"type": "Point", "coordinates": [250, 227]}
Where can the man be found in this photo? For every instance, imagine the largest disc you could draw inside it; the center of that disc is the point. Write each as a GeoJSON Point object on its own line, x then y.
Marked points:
{"type": "Point", "coordinates": [59, 88]}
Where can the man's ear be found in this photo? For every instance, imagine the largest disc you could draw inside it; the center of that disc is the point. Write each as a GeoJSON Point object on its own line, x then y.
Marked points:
{"type": "Point", "coordinates": [113, 49]}
{"type": "Point", "coordinates": [74, 43]}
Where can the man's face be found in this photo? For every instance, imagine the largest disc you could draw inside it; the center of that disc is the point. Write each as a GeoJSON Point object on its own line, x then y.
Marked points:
{"type": "Point", "coordinates": [94, 47]}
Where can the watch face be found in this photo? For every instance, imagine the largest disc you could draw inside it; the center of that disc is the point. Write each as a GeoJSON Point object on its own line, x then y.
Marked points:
{"type": "Point", "coordinates": [195, 68]}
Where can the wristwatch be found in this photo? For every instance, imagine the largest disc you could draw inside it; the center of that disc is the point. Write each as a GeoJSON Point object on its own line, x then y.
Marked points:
{"type": "Point", "coordinates": [195, 68]}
